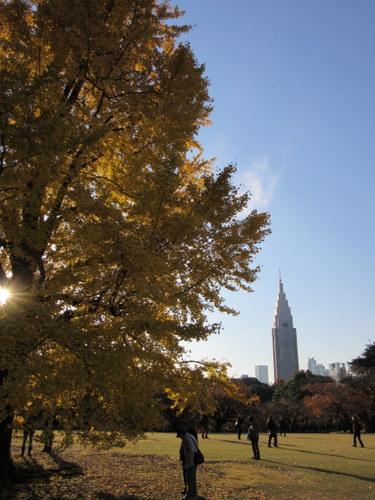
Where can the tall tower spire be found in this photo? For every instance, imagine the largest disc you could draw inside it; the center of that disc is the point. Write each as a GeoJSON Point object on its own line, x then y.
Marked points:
{"type": "Point", "coordinates": [284, 339]}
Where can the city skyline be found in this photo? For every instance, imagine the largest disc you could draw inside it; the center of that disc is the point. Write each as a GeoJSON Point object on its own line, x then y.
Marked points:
{"type": "Point", "coordinates": [293, 108]}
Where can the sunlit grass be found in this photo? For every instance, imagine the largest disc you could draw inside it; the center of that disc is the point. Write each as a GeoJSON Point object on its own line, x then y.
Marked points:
{"type": "Point", "coordinates": [304, 465]}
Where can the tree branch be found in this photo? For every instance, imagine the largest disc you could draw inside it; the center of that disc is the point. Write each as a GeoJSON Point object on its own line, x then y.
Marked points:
{"type": "Point", "coordinates": [201, 363]}
{"type": "Point", "coordinates": [100, 103]}
{"type": "Point", "coordinates": [3, 276]}
{"type": "Point", "coordinates": [51, 221]}
{"type": "Point", "coordinates": [107, 179]}
{"type": "Point", "coordinates": [2, 155]}
{"type": "Point", "coordinates": [3, 200]}
{"type": "Point", "coordinates": [121, 275]}
{"type": "Point", "coordinates": [5, 243]}
{"type": "Point", "coordinates": [198, 282]}
{"type": "Point", "coordinates": [35, 255]}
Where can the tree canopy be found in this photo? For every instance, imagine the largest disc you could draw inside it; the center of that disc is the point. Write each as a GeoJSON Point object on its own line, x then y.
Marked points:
{"type": "Point", "coordinates": [116, 235]}
{"type": "Point", "coordinates": [365, 364]}
{"type": "Point", "coordinates": [296, 388]}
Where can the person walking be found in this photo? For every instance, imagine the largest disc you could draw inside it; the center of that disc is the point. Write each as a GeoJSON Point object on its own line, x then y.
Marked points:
{"type": "Point", "coordinates": [253, 436]}
{"type": "Point", "coordinates": [357, 427]}
{"type": "Point", "coordinates": [272, 432]}
{"type": "Point", "coordinates": [189, 447]}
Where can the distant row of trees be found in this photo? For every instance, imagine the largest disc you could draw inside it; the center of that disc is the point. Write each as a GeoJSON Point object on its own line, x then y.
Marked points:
{"type": "Point", "coordinates": [307, 403]}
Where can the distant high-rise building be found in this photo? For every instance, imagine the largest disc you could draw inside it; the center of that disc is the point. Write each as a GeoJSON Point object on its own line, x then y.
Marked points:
{"type": "Point", "coordinates": [284, 340]}
{"type": "Point", "coordinates": [261, 373]}
{"type": "Point", "coordinates": [337, 371]}
{"type": "Point", "coordinates": [316, 368]}
{"type": "Point", "coordinates": [312, 366]}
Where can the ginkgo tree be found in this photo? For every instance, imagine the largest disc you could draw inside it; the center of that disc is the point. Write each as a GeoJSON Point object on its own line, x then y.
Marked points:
{"type": "Point", "coordinates": [116, 235]}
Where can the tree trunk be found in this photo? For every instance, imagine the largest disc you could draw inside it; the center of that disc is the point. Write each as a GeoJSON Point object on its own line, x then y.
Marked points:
{"type": "Point", "coordinates": [6, 463]}
{"type": "Point", "coordinates": [22, 270]}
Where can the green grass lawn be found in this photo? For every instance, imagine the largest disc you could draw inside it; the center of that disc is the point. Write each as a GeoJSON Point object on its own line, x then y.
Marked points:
{"type": "Point", "coordinates": [305, 466]}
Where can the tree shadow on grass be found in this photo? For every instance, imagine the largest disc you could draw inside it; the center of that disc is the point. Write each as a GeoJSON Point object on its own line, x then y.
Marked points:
{"type": "Point", "coordinates": [102, 495]}
{"type": "Point", "coordinates": [246, 443]}
{"type": "Point", "coordinates": [223, 462]}
{"type": "Point", "coordinates": [31, 469]}
{"type": "Point", "coordinates": [28, 470]}
{"type": "Point", "coordinates": [333, 455]}
{"type": "Point", "coordinates": [325, 471]}
{"type": "Point", "coordinates": [31, 466]}
{"type": "Point", "coordinates": [64, 467]}
{"type": "Point", "coordinates": [290, 444]}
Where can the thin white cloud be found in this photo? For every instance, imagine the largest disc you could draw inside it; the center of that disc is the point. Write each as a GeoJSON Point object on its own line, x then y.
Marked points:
{"type": "Point", "coordinates": [261, 181]}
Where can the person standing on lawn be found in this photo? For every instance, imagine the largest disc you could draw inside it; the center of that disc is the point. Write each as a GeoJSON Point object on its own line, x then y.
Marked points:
{"type": "Point", "coordinates": [28, 428]}
{"type": "Point", "coordinates": [253, 436]}
{"type": "Point", "coordinates": [238, 425]}
{"type": "Point", "coordinates": [183, 466]}
{"type": "Point", "coordinates": [204, 426]}
{"type": "Point", "coordinates": [282, 426]}
{"type": "Point", "coordinates": [357, 427]}
{"type": "Point", "coordinates": [272, 432]}
{"type": "Point", "coordinates": [189, 446]}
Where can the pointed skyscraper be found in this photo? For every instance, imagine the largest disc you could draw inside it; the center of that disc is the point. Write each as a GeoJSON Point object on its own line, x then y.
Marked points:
{"type": "Point", "coordinates": [284, 340]}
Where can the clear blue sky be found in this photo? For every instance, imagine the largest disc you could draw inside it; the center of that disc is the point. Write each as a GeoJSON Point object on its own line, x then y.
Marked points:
{"type": "Point", "coordinates": [293, 83]}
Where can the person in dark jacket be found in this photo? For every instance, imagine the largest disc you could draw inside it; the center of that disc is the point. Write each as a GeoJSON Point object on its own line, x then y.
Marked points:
{"type": "Point", "coordinates": [189, 446]}
{"type": "Point", "coordinates": [32, 415]}
{"type": "Point", "coordinates": [253, 436]}
{"type": "Point", "coordinates": [282, 426]}
{"type": "Point", "coordinates": [239, 425]}
{"type": "Point", "coordinates": [357, 427]}
{"type": "Point", "coordinates": [28, 428]}
{"type": "Point", "coordinates": [204, 426]}
{"type": "Point", "coordinates": [272, 432]}
{"type": "Point", "coordinates": [183, 468]}
{"type": "Point", "coordinates": [50, 424]}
